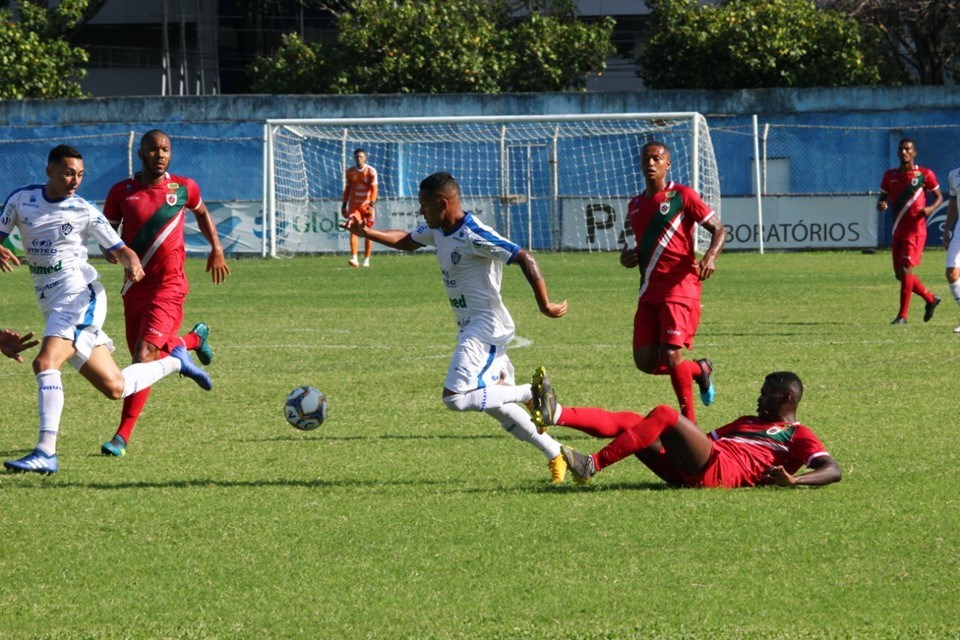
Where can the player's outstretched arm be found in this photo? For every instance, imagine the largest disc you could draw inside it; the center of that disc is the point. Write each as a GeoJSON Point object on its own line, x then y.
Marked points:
{"type": "Point", "coordinates": [12, 343]}
{"type": "Point", "coordinates": [393, 238]}
{"type": "Point", "coordinates": [531, 270]}
{"type": "Point", "coordinates": [823, 470]}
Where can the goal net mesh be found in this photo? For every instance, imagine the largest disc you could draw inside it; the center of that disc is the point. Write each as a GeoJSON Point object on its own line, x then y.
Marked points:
{"type": "Point", "coordinates": [547, 184]}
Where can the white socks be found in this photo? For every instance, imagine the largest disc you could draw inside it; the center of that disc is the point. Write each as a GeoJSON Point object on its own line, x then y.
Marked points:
{"type": "Point", "coordinates": [141, 375]}
{"type": "Point", "coordinates": [955, 290]}
{"type": "Point", "coordinates": [49, 407]}
{"type": "Point", "coordinates": [491, 397]}
{"type": "Point", "coordinates": [517, 423]}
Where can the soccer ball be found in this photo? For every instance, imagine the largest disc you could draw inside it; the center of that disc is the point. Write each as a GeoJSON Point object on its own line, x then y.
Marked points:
{"type": "Point", "coordinates": [306, 408]}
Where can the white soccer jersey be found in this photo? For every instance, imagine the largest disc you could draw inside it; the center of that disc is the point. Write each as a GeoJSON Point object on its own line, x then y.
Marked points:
{"type": "Point", "coordinates": [54, 236]}
{"type": "Point", "coordinates": [471, 259]}
{"type": "Point", "coordinates": [953, 180]}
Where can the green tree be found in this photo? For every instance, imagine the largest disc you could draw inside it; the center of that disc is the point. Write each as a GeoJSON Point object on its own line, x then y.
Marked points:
{"type": "Point", "coordinates": [36, 60]}
{"type": "Point", "coordinates": [922, 37]}
{"type": "Point", "coordinates": [443, 46]}
{"type": "Point", "coordinates": [743, 44]}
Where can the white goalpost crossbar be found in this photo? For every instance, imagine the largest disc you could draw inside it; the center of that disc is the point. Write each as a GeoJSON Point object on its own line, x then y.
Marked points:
{"type": "Point", "coordinates": [549, 182]}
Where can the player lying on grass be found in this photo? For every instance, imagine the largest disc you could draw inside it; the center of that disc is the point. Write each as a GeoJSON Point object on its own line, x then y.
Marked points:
{"type": "Point", "coordinates": [471, 256]}
{"type": "Point", "coordinates": [768, 448]}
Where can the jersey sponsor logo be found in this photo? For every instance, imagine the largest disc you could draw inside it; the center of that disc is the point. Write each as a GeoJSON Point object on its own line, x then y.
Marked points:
{"type": "Point", "coordinates": [66, 228]}
{"type": "Point", "coordinates": [41, 248]}
{"type": "Point", "coordinates": [459, 303]}
{"type": "Point", "coordinates": [41, 270]}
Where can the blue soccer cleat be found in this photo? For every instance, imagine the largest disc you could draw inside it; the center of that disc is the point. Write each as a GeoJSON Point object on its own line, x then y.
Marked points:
{"type": "Point", "coordinates": [190, 369]}
{"type": "Point", "coordinates": [117, 447]}
{"type": "Point", "coordinates": [705, 382]}
{"type": "Point", "coordinates": [34, 462]}
{"type": "Point", "coordinates": [204, 351]}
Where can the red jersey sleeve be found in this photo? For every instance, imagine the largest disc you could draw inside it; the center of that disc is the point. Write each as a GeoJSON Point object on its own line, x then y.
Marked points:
{"type": "Point", "coordinates": [930, 182]}
{"type": "Point", "coordinates": [194, 199]}
{"type": "Point", "coordinates": [804, 445]}
{"type": "Point", "coordinates": [695, 207]}
{"type": "Point", "coordinates": [111, 207]}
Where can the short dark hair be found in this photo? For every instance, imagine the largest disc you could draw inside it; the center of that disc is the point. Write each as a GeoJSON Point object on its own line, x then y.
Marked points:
{"type": "Point", "coordinates": [909, 141]}
{"type": "Point", "coordinates": [360, 150]}
{"type": "Point", "coordinates": [786, 381]}
{"type": "Point", "coordinates": [151, 134]}
{"type": "Point", "coordinates": [61, 151]}
{"type": "Point", "coordinates": [655, 143]}
{"type": "Point", "coordinates": [440, 182]}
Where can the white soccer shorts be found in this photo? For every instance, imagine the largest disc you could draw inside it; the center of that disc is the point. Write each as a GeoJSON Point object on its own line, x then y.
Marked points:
{"type": "Point", "coordinates": [477, 364]}
{"type": "Point", "coordinates": [79, 317]}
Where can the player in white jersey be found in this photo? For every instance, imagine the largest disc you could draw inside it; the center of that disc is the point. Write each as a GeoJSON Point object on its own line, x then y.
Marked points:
{"type": "Point", "coordinates": [951, 239]}
{"type": "Point", "coordinates": [54, 225]}
{"type": "Point", "coordinates": [471, 256]}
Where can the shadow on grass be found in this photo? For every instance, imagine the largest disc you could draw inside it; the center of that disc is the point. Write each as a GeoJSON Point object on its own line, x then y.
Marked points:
{"type": "Point", "coordinates": [227, 484]}
{"type": "Point", "coordinates": [308, 437]}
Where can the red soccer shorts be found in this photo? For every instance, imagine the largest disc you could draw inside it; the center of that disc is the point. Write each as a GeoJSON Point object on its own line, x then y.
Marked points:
{"type": "Point", "coordinates": [154, 320]}
{"type": "Point", "coordinates": [908, 251]}
{"type": "Point", "coordinates": [674, 323]}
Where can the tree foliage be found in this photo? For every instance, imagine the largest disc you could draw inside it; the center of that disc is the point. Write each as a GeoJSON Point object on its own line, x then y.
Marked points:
{"type": "Point", "coordinates": [36, 60]}
{"type": "Point", "coordinates": [442, 46]}
{"type": "Point", "coordinates": [921, 36]}
{"type": "Point", "coordinates": [743, 44]}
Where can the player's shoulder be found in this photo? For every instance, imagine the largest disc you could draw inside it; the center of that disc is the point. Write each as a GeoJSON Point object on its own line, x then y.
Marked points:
{"type": "Point", "coordinates": [26, 191]}
{"type": "Point", "coordinates": [181, 180]}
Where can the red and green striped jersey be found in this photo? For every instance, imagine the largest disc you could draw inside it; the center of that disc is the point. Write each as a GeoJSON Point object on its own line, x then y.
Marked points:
{"type": "Point", "coordinates": [152, 217]}
{"type": "Point", "coordinates": [664, 225]}
{"type": "Point", "coordinates": [754, 445]}
{"type": "Point", "coordinates": [907, 192]}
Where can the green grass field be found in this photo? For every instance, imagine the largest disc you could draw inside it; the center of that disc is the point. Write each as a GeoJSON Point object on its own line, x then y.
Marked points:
{"type": "Point", "coordinates": [401, 519]}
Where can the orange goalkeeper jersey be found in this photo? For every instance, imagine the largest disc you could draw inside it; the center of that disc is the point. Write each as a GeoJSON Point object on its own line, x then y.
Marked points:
{"type": "Point", "coordinates": [360, 190]}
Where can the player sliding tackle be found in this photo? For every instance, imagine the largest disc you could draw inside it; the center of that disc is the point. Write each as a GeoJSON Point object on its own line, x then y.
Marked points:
{"type": "Point", "coordinates": [768, 448]}
{"type": "Point", "coordinates": [54, 224]}
{"type": "Point", "coordinates": [471, 256]}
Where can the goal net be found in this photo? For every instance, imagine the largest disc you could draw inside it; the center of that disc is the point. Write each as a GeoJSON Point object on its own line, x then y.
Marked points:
{"type": "Point", "coordinates": [559, 182]}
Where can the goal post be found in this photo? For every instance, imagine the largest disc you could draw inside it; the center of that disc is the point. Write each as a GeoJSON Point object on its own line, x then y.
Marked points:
{"type": "Point", "coordinates": [550, 182]}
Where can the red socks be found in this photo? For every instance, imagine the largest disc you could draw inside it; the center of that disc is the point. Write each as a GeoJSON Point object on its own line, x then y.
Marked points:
{"type": "Point", "coordinates": [638, 437]}
{"type": "Point", "coordinates": [598, 423]}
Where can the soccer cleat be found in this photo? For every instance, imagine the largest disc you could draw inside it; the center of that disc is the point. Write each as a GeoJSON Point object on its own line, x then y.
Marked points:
{"type": "Point", "coordinates": [558, 469]}
{"type": "Point", "coordinates": [117, 447]}
{"type": "Point", "coordinates": [705, 382]}
{"type": "Point", "coordinates": [930, 308]}
{"type": "Point", "coordinates": [366, 262]}
{"type": "Point", "coordinates": [190, 369]}
{"type": "Point", "coordinates": [544, 400]}
{"type": "Point", "coordinates": [204, 351]}
{"type": "Point", "coordinates": [581, 466]}
{"type": "Point", "coordinates": [956, 329]}
{"type": "Point", "coordinates": [34, 462]}
{"type": "Point", "coordinates": [899, 320]}
{"type": "Point", "coordinates": [353, 262]}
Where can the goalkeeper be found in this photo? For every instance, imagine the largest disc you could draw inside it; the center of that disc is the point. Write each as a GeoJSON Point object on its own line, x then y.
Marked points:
{"type": "Point", "coordinates": [359, 196]}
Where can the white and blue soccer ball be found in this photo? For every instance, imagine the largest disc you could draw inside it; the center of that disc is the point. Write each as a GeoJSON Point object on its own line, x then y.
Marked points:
{"type": "Point", "coordinates": [306, 408]}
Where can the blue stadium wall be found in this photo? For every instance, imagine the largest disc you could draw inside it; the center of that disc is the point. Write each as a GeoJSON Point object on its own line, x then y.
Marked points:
{"type": "Point", "coordinates": [219, 139]}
